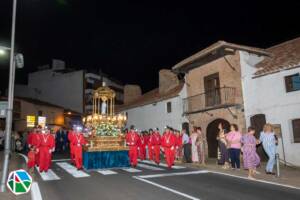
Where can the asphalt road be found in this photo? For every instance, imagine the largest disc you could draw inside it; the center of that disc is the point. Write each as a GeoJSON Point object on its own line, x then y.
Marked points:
{"type": "Point", "coordinates": [151, 183]}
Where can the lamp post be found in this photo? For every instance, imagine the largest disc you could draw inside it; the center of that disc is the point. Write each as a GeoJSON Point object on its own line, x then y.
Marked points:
{"type": "Point", "coordinates": [8, 125]}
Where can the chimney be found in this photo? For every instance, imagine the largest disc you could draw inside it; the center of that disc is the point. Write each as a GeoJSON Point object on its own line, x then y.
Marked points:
{"type": "Point", "coordinates": [167, 81]}
{"type": "Point", "coordinates": [131, 93]}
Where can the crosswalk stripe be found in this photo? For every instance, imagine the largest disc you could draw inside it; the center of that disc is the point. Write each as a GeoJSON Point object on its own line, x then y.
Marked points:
{"type": "Point", "coordinates": [72, 170]}
{"type": "Point", "coordinates": [106, 172]}
{"type": "Point", "coordinates": [48, 176]}
{"type": "Point", "coordinates": [132, 170]}
{"type": "Point", "coordinates": [162, 164]}
{"type": "Point", "coordinates": [150, 167]}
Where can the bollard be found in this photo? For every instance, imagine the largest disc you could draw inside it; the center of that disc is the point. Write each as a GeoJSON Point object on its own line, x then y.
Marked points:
{"type": "Point", "coordinates": [277, 165]}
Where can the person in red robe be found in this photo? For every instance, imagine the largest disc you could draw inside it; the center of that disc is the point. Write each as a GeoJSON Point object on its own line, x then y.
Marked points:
{"type": "Point", "coordinates": [46, 147]}
{"type": "Point", "coordinates": [142, 146]}
{"type": "Point", "coordinates": [78, 141]}
{"type": "Point", "coordinates": [71, 136]}
{"type": "Point", "coordinates": [150, 149]}
{"type": "Point", "coordinates": [132, 139]}
{"type": "Point", "coordinates": [35, 141]}
{"type": "Point", "coordinates": [156, 142]}
{"type": "Point", "coordinates": [178, 145]}
{"type": "Point", "coordinates": [169, 143]}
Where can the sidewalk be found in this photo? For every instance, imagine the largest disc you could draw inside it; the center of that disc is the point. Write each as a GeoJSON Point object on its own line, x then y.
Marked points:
{"type": "Point", "coordinates": [288, 175]}
{"type": "Point", "coordinates": [16, 162]}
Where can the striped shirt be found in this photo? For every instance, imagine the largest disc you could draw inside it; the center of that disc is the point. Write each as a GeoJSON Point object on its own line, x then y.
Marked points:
{"type": "Point", "coordinates": [267, 139]}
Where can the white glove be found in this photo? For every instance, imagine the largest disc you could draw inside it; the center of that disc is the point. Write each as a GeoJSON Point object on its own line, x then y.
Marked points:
{"type": "Point", "coordinates": [138, 148]}
{"type": "Point", "coordinates": [172, 148]}
{"type": "Point", "coordinates": [50, 150]}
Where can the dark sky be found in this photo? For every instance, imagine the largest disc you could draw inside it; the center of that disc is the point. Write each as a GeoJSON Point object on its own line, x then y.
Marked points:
{"type": "Point", "coordinates": [131, 40]}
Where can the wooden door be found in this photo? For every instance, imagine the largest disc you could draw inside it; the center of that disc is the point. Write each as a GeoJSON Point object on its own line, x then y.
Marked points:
{"type": "Point", "coordinates": [257, 122]}
{"type": "Point", "coordinates": [212, 90]}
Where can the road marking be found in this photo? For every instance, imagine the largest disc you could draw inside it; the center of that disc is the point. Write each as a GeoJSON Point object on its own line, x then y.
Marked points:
{"type": "Point", "coordinates": [61, 160]}
{"type": "Point", "coordinates": [132, 170]}
{"type": "Point", "coordinates": [162, 164]}
{"type": "Point", "coordinates": [106, 172]}
{"type": "Point", "coordinates": [167, 188]}
{"type": "Point", "coordinates": [256, 180]}
{"type": "Point", "coordinates": [48, 176]}
{"type": "Point", "coordinates": [150, 167]}
{"type": "Point", "coordinates": [35, 192]}
{"type": "Point", "coordinates": [72, 170]}
{"type": "Point", "coordinates": [174, 174]}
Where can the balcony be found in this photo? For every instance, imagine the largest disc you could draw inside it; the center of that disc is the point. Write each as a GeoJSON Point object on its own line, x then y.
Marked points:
{"type": "Point", "coordinates": [213, 99]}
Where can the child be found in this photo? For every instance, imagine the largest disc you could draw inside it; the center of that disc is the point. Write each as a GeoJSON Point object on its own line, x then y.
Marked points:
{"type": "Point", "coordinates": [31, 160]}
{"type": "Point", "coordinates": [250, 157]}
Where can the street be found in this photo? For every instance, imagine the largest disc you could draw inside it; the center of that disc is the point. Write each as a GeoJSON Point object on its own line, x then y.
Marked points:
{"type": "Point", "coordinates": [149, 181]}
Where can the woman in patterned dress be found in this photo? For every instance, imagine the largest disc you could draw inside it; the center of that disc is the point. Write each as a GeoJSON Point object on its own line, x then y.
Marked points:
{"type": "Point", "coordinates": [250, 157]}
{"type": "Point", "coordinates": [223, 154]}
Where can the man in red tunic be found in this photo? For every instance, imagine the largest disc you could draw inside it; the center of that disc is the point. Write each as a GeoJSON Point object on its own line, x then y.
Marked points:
{"type": "Point", "coordinates": [46, 147]}
{"type": "Point", "coordinates": [132, 139]}
{"type": "Point", "coordinates": [35, 141]}
{"type": "Point", "coordinates": [71, 136]}
{"type": "Point", "coordinates": [142, 146]}
{"type": "Point", "coordinates": [78, 141]}
{"type": "Point", "coordinates": [150, 150]}
{"type": "Point", "coordinates": [169, 143]}
{"type": "Point", "coordinates": [155, 142]}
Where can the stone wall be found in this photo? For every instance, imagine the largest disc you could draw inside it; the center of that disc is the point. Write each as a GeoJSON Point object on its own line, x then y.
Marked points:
{"type": "Point", "coordinates": [131, 93]}
{"type": "Point", "coordinates": [167, 81]}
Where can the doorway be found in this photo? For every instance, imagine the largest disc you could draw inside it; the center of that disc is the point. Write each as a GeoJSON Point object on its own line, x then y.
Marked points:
{"type": "Point", "coordinates": [211, 136]}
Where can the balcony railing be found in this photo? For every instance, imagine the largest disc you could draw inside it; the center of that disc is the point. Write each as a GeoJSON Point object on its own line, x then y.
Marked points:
{"type": "Point", "coordinates": [209, 100]}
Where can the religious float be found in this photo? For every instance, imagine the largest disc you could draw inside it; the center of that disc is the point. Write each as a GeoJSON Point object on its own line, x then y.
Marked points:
{"type": "Point", "coordinates": [106, 144]}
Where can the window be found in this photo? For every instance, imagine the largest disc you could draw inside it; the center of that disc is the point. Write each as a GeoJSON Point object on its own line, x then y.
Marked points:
{"type": "Point", "coordinates": [169, 107]}
{"type": "Point", "coordinates": [212, 90]}
{"type": "Point", "coordinates": [296, 130]}
{"type": "Point", "coordinates": [292, 82]}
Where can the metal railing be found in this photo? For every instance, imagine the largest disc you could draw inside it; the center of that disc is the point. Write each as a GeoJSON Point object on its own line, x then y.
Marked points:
{"type": "Point", "coordinates": [209, 100]}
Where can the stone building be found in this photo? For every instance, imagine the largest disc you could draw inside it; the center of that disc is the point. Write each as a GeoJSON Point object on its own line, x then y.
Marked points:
{"type": "Point", "coordinates": [214, 88]}
{"type": "Point", "coordinates": [157, 108]}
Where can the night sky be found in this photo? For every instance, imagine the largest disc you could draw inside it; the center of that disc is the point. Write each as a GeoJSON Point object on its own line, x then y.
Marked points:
{"type": "Point", "coordinates": [131, 40]}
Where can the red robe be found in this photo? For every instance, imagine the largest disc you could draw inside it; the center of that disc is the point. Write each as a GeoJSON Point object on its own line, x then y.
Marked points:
{"type": "Point", "coordinates": [155, 142]}
{"type": "Point", "coordinates": [169, 143]}
{"type": "Point", "coordinates": [132, 139]}
{"type": "Point", "coordinates": [31, 159]}
{"type": "Point", "coordinates": [77, 141]}
{"type": "Point", "coordinates": [35, 141]}
{"type": "Point", "coordinates": [150, 150]}
{"type": "Point", "coordinates": [71, 135]}
{"type": "Point", "coordinates": [46, 146]}
{"type": "Point", "coordinates": [142, 147]}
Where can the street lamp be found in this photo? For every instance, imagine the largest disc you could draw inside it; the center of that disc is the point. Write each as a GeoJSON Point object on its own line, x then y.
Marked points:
{"type": "Point", "coordinates": [13, 60]}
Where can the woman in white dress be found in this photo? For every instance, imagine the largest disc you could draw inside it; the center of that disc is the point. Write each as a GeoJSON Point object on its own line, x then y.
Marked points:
{"type": "Point", "coordinates": [194, 136]}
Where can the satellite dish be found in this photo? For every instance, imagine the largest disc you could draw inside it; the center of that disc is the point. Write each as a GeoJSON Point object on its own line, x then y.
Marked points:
{"type": "Point", "coordinates": [19, 59]}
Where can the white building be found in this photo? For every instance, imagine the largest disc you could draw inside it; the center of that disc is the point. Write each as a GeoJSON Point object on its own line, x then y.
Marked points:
{"type": "Point", "coordinates": [271, 91]}
{"type": "Point", "coordinates": [158, 108]}
{"type": "Point", "coordinates": [71, 89]}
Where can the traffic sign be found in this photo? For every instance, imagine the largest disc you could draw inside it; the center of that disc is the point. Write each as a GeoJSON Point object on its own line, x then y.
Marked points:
{"type": "Point", "coordinates": [19, 182]}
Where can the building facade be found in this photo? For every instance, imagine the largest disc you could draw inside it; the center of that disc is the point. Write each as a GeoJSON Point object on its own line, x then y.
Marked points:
{"type": "Point", "coordinates": [272, 94]}
{"type": "Point", "coordinates": [71, 89]}
{"type": "Point", "coordinates": [214, 88]}
{"type": "Point", "coordinates": [158, 108]}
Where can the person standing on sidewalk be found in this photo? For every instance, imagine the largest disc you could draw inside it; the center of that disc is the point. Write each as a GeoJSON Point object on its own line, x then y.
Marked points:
{"type": "Point", "coordinates": [195, 156]}
{"type": "Point", "coordinates": [186, 146]}
{"type": "Point", "coordinates": [250, 157]}
{"type": "Point", "coordinates": [223, 154]}
{"type": "Point", "coordinates": [268, 139]}
{"type": "Point", "coordinates": [200, 144]}
{"type": "Point", "coordinates": [234, 142]}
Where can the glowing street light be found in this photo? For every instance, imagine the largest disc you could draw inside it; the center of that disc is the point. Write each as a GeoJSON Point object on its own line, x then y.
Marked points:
{"type": "Point", "coordinates": [2, 52]}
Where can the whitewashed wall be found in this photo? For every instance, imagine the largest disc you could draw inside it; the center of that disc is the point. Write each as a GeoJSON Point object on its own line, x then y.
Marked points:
{"type": "Point", "coordinates": [267, 95]}
{"type": "Point", "coordinates": [156, 116]}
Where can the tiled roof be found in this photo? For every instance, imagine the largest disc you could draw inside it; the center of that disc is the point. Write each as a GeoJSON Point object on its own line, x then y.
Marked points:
{"type": "Point", "coordinates": [218, 46]}
{"type": "Point", "coordinates": [284, 56]}
{"type": "Point", "coordinates": [151, 97]}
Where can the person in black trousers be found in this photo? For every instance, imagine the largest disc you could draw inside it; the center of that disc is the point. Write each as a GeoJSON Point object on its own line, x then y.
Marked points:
{"type": "Point", "coordinates": [186, 146]}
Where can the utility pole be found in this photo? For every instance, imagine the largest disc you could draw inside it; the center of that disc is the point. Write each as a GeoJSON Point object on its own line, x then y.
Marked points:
{"type": "Point", "coordinates": [10, 99]}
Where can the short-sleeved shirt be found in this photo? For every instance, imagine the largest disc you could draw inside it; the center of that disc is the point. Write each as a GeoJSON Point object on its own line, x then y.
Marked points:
{"type": "Point", "coordinates": [234, 136]}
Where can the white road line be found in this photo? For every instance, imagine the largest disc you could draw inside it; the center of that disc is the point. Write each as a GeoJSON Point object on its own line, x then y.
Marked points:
{"type": "Point", "coordinates": [256, 180]}
{"type": "Point", "coordinates": [167, 188]}
{"type": "Point", "coordinates": [106, 172]}
{"type": "Point", "coordinates": [48, 176]}
{"type": "Point", "coordinates": [162, 164]}
{"type": "Point", "coordinates": [174, 174]}
{"type": "Point", "coordinates": [132, 170]}
{"type": "Point", "coordinates": [72, 170]}
{"type": "Point", "coordinates": [61, 160]}
{"type": "Point", "coordinates": [150, 167]}
{"type": "Point", "coordinates": [35, 192]}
